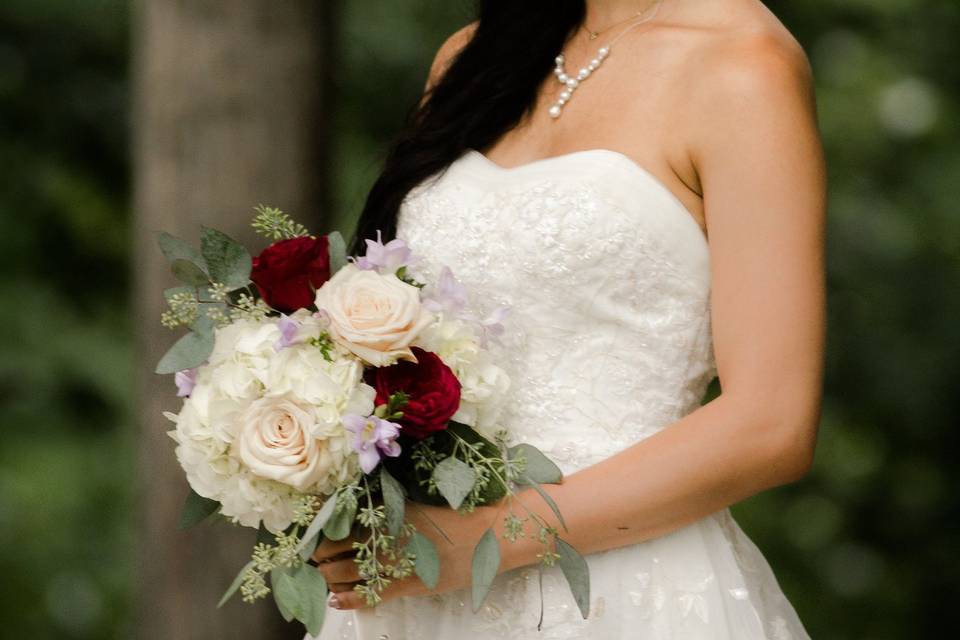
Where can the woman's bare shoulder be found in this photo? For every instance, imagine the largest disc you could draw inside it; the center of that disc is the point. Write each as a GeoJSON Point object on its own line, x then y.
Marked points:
{"type": "Point", "coordinates": [750, 49]}
{"type": "Point", "coordinates": [448, 50]}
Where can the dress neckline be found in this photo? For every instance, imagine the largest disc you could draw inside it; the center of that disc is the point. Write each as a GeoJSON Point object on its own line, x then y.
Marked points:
{"type": "Point", "coordinates": [617, 155]}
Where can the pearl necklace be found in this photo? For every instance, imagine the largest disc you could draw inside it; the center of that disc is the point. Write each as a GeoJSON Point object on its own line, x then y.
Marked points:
{"type": "Point", "coordinates": [585, 72]}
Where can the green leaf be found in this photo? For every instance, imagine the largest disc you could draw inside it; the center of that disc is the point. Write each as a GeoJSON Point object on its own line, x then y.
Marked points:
{"type": "Point", "coordinates": [176, 249]}
{"type": "Point", "coordinates": [286, 594]}
{"type": "Point", "coordinates": [538, 466]}
{"type": "Point", "coordinates": [337, 250]}
{"type": "Point", "coordinates": [455, 479]}
{"type": "Point", "coordinates": [196, 509]}
{"type": "Point", "coordinates": [486, 561]}
{"type": "Point", "coordinates": [312, 589]}
{"type": "Point", "coordinates": [577, 573]}
{"type": "Point", "coordinates": [227, 261]}
{"type": "Point", "coordinates": [427, 562]}
{"type": "Point", "coordinates": [547, 499]}
{"type": "Point", "coordinates": [316, 525]}
{"type": "Point", "coordinates": [340, 523]}
{"type": "Point", "coordinates": [189, 273]}
{"type": "Point", "coordinates": [191, 350]}
{"type": "Point", "coordinates": [232, 589]}
{"type": "Point", "coordinates": [393, 501]}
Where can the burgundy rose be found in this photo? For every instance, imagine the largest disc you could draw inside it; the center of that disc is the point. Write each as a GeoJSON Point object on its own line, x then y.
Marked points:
{"type": "Point", "coordinates": [433, 389]}
{"type": "Point", "coordinates": [285, 271]}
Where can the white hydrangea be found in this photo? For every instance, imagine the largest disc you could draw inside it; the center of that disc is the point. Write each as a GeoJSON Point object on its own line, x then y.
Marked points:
{"type": "Point", "coordinates": [258, 410]}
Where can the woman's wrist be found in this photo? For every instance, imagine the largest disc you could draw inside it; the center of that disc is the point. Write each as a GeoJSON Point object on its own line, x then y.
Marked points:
{"type": "Point", "coordinates": [524, 550]}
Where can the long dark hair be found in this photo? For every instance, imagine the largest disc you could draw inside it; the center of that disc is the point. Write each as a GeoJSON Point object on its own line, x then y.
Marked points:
{"type": "Point", "coordinates": [486, 90]}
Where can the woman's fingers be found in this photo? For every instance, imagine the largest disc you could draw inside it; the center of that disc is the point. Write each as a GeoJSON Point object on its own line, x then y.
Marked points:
{"type": "Point", "coordinates": [340, 587]}
{"type": "Point", "coordinates": [350, 599]}
{"type": "Point", "coordinates": [329, 549]}
{"type": "Point", "coordinates": [344, 570]}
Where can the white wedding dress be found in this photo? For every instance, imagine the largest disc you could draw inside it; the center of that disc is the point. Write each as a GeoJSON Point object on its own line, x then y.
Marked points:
{"type": "Point", "coordinates": [607, 342]}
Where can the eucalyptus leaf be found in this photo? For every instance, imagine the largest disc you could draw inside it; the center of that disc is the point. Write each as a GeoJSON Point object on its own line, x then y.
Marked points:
{"type": "Point", "coordinates": [577, 573]}
{"type": "Point", "coordinates": [317, 524]}
{"type": "Point", "coordinates": [227, 260]}
{"type": "Point", "coordinates": [232, 589]}
{"type": "Point", "coordinates": [312, 589]}
{"type": "Point", "coordinates": [191, 350]}
{"type": "Point", "coordinates": [196, 509]}
{"type": "Point", "coordinates": [286, 594]}
{"type": "Point", "coordinates": [340, 523]}
{"type": "Point", "coordinates": [546, 497]}
{"type": "Point", "coordinates": [337, 250]}
{"type": "Point", "coordinates": [393, 501]}
{"type": "Point", "coordinates": [538, 466]}
{"type": "Point", "coordinates": [189, 273]}
{"type": "Point", "coordinates": [426, 562]}
{"type": "Point", "coordinates": [455, 479]}
{"type": "Point", "coordinates": [486, 561]}
{"type": "Point", "coordinates": [174, 249]}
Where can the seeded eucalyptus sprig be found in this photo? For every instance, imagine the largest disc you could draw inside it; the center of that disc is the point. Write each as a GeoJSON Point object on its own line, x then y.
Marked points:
{"type": "Point", "coordinates": [274, 224]}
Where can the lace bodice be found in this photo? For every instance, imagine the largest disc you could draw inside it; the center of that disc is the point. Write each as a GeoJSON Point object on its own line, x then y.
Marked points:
{"type": "Point", "coordinates": [608, 280]}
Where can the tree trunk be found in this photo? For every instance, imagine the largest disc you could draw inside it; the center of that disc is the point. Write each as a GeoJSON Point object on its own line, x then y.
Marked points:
{"type": "Point", "coordinates": [230, 110]}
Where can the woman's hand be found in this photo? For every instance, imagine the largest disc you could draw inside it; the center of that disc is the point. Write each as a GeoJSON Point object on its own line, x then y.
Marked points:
{"type": "Point", "coordinates": [336, 557]}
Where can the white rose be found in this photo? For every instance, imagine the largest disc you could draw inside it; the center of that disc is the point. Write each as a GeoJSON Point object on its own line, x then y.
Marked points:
{"type": "Point", "coordinates": [275, 442]}
{"type": "Point", "coordinates": [375, 316]}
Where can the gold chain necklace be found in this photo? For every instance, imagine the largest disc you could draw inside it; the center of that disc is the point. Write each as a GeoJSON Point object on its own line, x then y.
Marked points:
{"type": "Point", "coordinates": [594, 34]}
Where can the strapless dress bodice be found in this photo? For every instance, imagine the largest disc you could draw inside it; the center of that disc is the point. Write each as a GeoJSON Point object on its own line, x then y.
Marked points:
{"type": "Point", "coordinates": [607, 276]}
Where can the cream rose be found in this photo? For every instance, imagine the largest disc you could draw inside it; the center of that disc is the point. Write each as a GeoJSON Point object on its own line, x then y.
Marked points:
{"type": "Point", "coordinates": [275, 442]}
{"type": "Point", "coordinates": [375, 316]}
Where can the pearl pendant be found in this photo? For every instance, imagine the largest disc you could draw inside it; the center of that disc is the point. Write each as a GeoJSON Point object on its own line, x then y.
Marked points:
{"type": "Point", "coordinates": [572, 82]}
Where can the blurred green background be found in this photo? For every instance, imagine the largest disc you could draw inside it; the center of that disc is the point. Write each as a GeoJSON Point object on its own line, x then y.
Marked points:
{"type": "Point", "coordinates": [866, 547]}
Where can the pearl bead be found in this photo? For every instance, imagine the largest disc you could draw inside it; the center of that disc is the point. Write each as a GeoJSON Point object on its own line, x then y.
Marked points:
{"type": "Point", "coordinates": [555, 111]}
{"type": "Point", "coordinates": [565, 94]}
{"type": "Point", "coordinates": [582, 74]}
{"type": "Point", "coordinates": [562, 100]}
{"type": "Point", "coordinates": [572, 83]}
{"type": "Point", "coordinates": [563, 78]}
{"type": "Point", "coordinates": [602, 53]}
{"type": "Point", "coordinates": [593, 64]}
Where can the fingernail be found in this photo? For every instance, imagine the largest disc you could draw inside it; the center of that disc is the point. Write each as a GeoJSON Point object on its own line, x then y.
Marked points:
{"type": "Point", "coordinates": [333, 601]}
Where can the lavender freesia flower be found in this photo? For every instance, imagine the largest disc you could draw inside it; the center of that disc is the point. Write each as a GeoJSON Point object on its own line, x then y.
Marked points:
{"type": "Point", "coordinates": [185, 380]}
{"type": "Point", "coordinates": [374, 438]}
{"type": "Point", "coordinates": [447, 295]}
{"type": "Point", "coordinates": [288, 331]}
{"type": "Point", "coordinates": [492, 325]}
{"type": "Point", "coordinates": [385, 258]}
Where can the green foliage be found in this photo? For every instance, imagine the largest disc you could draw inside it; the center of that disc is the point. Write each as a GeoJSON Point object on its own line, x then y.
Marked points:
{"type": "Point", "coordinates": [196, 509]}
{"type": "Point", "coordinates": [486, 562]}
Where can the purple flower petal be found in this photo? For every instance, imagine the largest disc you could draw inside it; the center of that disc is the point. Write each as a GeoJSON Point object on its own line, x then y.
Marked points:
{"type": "Point", "coordinates": [447, 294]}
{"type": "Point", "coordinates": [288, 332]}
{"type": "Point", "coordinates": [185, 380]}
{"type": "Point", "coordinates": [373, 436]}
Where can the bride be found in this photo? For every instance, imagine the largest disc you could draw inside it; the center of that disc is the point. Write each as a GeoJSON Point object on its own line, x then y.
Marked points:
{"type": "Point", "coordinates": [570, 159]}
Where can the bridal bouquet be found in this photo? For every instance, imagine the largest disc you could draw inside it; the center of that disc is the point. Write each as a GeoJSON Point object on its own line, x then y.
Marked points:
{"type": "Point", "coordinates": [321, 392]}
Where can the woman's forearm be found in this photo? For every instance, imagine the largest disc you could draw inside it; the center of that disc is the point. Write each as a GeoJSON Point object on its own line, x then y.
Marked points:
{"type": "Point", "coordinates": [712, 458]}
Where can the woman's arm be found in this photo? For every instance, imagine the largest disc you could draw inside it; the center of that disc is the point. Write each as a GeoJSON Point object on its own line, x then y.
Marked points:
{"type": "Point", "coordinates": [758, 156]}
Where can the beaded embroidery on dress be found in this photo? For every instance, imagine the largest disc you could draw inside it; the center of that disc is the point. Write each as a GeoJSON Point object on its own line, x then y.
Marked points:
{"type": "Point", "coordinates": [607, 342]}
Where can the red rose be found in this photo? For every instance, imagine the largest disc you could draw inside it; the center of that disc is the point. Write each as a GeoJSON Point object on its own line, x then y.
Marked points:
{"type": "Point", "coordinates": [287, 272]}
{"type": "Point", "coordinates": [433, 389]}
